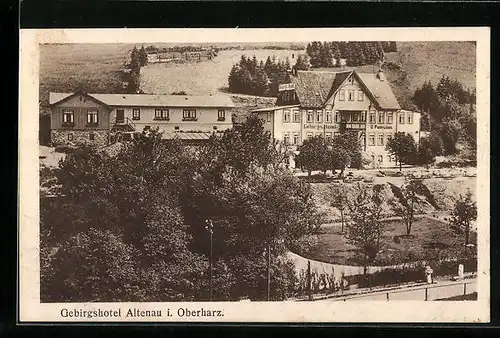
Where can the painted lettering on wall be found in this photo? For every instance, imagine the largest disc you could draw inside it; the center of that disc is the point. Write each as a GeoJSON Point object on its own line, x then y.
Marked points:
{"type": "Point", "coordinates": [286, 86]}
{"type": "Point", "coordinates": [379, 127]}
{"type": "Point", "coordinates": [320, 126]}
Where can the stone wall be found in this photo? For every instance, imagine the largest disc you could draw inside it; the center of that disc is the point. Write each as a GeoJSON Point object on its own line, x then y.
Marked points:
{"type": "Point", "coordinates": [79, 137]}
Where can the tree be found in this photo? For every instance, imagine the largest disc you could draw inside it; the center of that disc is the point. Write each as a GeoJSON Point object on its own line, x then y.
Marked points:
{"type": "Point", "coordinates": [365, 226]}
{"type": "Point", "coordinates": [143, 57]}
{"type": "Point", "coordinates": [403, 147]}
{"type": "Point", "coordinates": [302, 62]}
{"type": "Point", "coordinates": [125, 226]}
{"type": "Point", "coordinates": [450, 132]}
{"type": "Point", "coordinates": [345, 151]}
{"type": "Point", "coordinates": [258, 209]}
{"type": "Point", "coordinates": [405, 206]}
{"type": "Point", "coordinates": [338, 197]}
{"type": "Point", "coordinates": [135, 63]}
{"type": "Point", "coordinates": [425, 152]}
{"type": "Point", "coordinates": [314, 154]}
{"type": "Point", "coordinates": [464, 212]}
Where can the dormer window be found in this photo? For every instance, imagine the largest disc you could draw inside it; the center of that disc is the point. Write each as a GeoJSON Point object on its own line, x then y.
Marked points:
{"type": "Point", "coordinates": [361, 95]}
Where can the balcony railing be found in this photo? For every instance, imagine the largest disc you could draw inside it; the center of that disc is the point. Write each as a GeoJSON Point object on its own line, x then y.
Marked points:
{"type": "Point", "coordinates": [189, 119]}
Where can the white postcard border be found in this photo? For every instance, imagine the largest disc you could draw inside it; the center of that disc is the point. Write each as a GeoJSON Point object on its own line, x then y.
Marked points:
{"type": "Point", "coordinates": [30, 308]}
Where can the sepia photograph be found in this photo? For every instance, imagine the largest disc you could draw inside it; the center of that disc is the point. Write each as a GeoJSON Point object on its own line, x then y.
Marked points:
{"type": "Point", "coordinates": [311, 168]}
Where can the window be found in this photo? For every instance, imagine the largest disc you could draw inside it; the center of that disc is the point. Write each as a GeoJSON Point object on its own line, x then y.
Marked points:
{"type": "Point", "coordinates": [389, 158]}
{"type": "Point", "coordinates": [336, 133]}
{"type": "Point", "coordinates": [389, 117]}
{"type": "Point", "coordinates": [380, 139]}
{"type": "Point", "coordinates": [286, 116]}
{"type": "Point", "coordinates": [389, 136]}
{"type": "Point", "coordinates": [337, 116]}
{"type": "Point", "coordinates": [328, 116]}
{"type": "Point", "coordinates": [381, 117]}
{"type": "Point", "coordinates": [380, 159]}
{"type": "Point", "coordinates": [92, 117]}
{"type": "Point", "coordinates": [342, 95]}
{"type": "Point", "coordinates": [176, 128]}
{"type": "Point", "coordinates": [363, 140]}
{"type": "Point", "coordinates": [363, 116]}
{"type": "Point", "coordinates": [296, 116]}
{"type": "Point", "coordinates": [371, 139]}
{"type": "Point", "coordinates": [136, 114]}
{"type": "Point", "coordinates": [319, 116]}
{"type": "Point", "coordinates": [70, 137]}
{"type": "Point", "coordinates": [296, 138]}
{"type": "Point", "coordinates": [361, 95]}
{"type": "Point", "coordinates": [319, 134]}
{"type": "Point", "coordinates": [372, 117]}
{"type": "Point", "coordinates": [309, 135]}
{"type": "Point", "coordinates": [401, 118]}
{"type": "Point", "coordinates": [310, 118]}
{"type": "Point", "coordinates": [68, 117]}
{"type": "Point", "coordinates": [351, 95]}
{"type": "Point", "coordinates": [355, 117]}
{"type": "Point", "coordinates": [221, 115]}
{"type": "Point", "coordinates": [286, 138]}
{"type": "Point", "coordinates": [328, 135]}
{"type": "Point", "coordinates": [189, 115]}
{"type": "Point", "coordinates": [410, 117]}
{"type": "Point", "coordinates": [268, 116]}
{"type": "Point", "coordinates": [161, 114]}
{"type": "Point", "coordinates": [91, 136]}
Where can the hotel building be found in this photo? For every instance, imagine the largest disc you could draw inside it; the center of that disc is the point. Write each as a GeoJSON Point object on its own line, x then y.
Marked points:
{"type": "Point", "coordinates": [328, 103]}
{"type": "Point", "coordinates": [95, 119]}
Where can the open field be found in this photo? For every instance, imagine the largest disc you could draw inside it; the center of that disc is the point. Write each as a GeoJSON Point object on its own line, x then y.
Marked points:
{"type": "Point", "coordinates": [330, 246]}
{"type": "Point", "coordinates": [200, 78]}
{"type": "Point", "coordinates": [92, 67]}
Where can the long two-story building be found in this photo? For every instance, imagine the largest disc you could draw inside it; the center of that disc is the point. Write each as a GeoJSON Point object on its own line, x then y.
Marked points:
{"type": "Point", "coordinates": [329, 103]}
{"type": "Point", "coordinates": [83, 118]}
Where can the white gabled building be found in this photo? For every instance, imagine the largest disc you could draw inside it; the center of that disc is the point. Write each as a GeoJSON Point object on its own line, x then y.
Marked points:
{"type": "Point", "coordinates": [329, 103]}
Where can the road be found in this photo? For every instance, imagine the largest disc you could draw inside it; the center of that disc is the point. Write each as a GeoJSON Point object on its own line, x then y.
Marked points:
{"type": "Point", "coordinates": [440, 290]}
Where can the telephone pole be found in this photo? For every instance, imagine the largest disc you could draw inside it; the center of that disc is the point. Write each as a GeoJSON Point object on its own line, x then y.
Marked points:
{"type": "Point", "coordinates": [209, 227]}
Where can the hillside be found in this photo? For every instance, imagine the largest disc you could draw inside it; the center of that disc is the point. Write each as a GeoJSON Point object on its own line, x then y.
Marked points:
{"type": "Point", "coordinates": [92, 67]}
{"type": "Point", "coordinates": [429, 61]}
{"type": "Point", "coordinates": [417, 62]}
{"type": "Point", "coordinates": [96, 68]}
{"type": "Point", "coordinates": [201, 78]}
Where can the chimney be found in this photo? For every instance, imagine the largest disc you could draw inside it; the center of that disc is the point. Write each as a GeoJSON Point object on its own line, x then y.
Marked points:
{"type": "Point", "coordinates": [380, 75]}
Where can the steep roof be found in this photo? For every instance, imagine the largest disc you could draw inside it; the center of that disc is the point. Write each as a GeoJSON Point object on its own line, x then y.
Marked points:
{"type": "Point", "coordinates": [381, 90]}
{"type": "Point", "coordinates": [149, 100]}
{"type": "Point", "coordinates": [314, 87]}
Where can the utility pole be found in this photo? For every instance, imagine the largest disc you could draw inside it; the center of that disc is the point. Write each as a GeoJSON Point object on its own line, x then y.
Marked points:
{"type": "Point", "coordinates": [209, 227]}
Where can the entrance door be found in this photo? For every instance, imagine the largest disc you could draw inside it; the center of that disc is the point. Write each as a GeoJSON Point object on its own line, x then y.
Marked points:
{"type": "Point", "coordinates": [120, 116]}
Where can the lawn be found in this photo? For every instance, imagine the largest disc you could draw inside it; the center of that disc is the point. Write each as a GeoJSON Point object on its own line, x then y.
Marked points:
{"type": "Point", "coordinates": [330, 246]}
